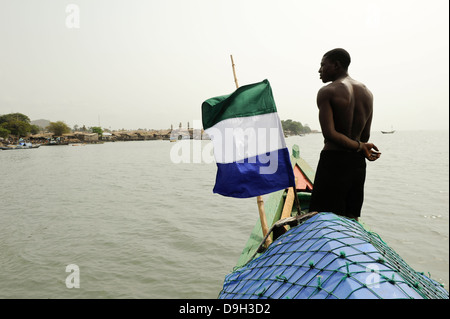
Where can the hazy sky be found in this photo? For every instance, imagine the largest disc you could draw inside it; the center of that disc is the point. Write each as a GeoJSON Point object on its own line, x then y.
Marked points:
{"type": "Point", "coordinates": [149, 64]}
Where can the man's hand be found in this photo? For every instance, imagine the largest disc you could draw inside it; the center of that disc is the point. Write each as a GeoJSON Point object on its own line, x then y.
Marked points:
{"type": "Point", "coordinates": [370, 151]}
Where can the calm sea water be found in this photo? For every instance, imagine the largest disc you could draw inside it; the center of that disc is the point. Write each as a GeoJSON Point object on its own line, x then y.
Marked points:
{"type": "Point", "coordinates": [138, 225]}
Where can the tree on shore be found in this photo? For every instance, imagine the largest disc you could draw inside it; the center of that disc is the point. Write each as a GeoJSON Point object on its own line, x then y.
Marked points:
{"type": "Point", "coordinates": [17, 124]}
{"type": "Point", "coordinates": [4, 133]}
{"type": "Point", "coordinates": [14, 116]}
{"type": "Point", "coordinates": [97, 129]}
{"type": "Point", "coordinates": [58, 128]}
{"type": "Point", "coordinates": [291, 127]}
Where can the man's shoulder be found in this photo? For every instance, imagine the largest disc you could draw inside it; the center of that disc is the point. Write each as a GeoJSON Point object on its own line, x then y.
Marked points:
{"type": "Point", "coordinates": [333, 88]}
{"type": "Point", "coordinates": [361, 87]}
{"type": "Point", "coordinates": [343, 87]}
{"type": "Point", "coordinates": [327, 88]}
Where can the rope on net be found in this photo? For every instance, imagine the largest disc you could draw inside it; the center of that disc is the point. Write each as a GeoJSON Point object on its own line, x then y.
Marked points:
{"type": "Point", "coordinates": [329, 256]}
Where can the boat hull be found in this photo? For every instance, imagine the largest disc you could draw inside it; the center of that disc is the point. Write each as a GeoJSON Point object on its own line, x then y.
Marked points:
{"type": "Point", "coordinates": [329, 257]}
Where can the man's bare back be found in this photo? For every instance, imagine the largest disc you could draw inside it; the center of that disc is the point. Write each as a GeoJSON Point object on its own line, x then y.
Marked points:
{"type": "Point", "coordinates": [351, 104]}
{"type": "Point", "coordinates": [345, 111]}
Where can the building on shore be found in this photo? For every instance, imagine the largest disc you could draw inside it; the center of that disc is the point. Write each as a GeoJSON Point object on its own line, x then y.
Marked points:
{"type": "Point", "coordinates": [140, 135]}
{"type": "Point", "coordinates": [123, 135]}
{"type": "Point", "coordinates": [74, 137]}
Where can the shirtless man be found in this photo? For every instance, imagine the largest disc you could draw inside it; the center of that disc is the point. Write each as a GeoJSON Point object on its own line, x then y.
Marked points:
{"type": "Point", "coordinates": [345, 115]}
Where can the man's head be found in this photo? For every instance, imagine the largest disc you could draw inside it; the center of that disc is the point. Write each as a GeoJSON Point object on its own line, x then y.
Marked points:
{"type": "Point", "coordinates": [334, 64]}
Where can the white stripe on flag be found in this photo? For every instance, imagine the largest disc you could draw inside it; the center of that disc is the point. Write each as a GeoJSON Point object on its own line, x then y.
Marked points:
{"type": "Point", "coordinates": [240, 138]}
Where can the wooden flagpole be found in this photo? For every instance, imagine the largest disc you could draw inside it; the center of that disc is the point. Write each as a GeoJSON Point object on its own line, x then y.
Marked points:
{"type": "Point", "coordinates": [259, 199]}
{"type": "Point", "coordinates": [234, 72]}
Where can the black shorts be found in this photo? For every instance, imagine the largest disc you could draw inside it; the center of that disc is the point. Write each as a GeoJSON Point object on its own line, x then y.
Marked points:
{"type": "Point", "coordinates": [339, 183]}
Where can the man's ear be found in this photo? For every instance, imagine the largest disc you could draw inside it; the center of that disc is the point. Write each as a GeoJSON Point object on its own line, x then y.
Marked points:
{"type": "Point", "coordinates": [337, 65]}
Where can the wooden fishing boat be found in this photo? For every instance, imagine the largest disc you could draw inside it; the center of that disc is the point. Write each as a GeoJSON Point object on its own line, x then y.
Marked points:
{"type": "Point", "coordinates": [320, 255]}
{"type": "Point", "coordinates": [56, 144]}
{"type": "Point", "coordinates": [20, 146]}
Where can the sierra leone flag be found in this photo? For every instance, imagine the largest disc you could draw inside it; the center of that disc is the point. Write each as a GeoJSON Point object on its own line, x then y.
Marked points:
{"type": "Point", "coordinates": [248, 140]}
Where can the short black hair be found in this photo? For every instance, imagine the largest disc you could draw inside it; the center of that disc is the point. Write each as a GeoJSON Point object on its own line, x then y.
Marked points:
{"type": "Point", "coordinates": [339, 55]}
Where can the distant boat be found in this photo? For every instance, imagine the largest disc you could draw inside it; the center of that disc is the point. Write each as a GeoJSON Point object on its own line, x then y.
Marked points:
{"type": "Point", "coordinates": [176, 136]}
{"type": "Point", "coordinates": [22, 146]}
{"type": "Point", "coordinates": [388, 132]}
{"type": "Point", "coordinates": [55, 142]}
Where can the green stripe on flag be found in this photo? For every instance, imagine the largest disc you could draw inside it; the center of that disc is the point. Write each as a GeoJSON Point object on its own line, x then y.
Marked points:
{"type": "Point", "coordinates": [248, 100]}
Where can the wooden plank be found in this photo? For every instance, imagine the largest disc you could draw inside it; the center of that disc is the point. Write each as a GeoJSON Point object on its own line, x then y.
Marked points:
{"type": "Point", "coordinates": [288, 203]}
{"type": "Point", "coordinates": [263, 219]}
{"type": "Point", "coordinates": [287, 209]}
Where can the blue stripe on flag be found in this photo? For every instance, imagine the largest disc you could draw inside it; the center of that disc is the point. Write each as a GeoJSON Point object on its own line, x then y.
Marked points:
{"type": "Point", "coordinates": [255, 176]}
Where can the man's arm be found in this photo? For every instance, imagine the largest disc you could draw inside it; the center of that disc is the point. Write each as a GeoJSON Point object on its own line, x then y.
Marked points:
{"type": "Point", "coordinates": [369, 150]}
{"type": "Point", "coordinates": [365, 134]}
